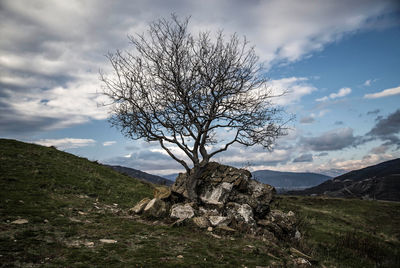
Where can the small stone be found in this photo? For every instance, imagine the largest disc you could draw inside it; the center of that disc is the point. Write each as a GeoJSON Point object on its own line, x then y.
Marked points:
{"type": "Point", "coordinates": [89, 244]}
{"type": "Point", "coordinates": [227, 229]}
{"type": "Point", "coordinates": [201, 222]}
{"type": "Point", "coordinates": [209, 229]}
{"type": "Point", "coordinates": [179, 257]}
{"type": "Point", "coordinates": [297, 235]}
{"type": "Point", "coordinates": [74, 219]}
{"type": "Point", "coordinates": [219, 220]}
{"type": "Point", "coordinates": [46, 221]}
{"type": "Point", "coordinates": [301, 262]}
{"type": "Point", "coordinates": [108, 241]}
{"type": "Point", "coordinates": [81, 213]}
{"type": "Point", "coordinates": [216, 236]}
{"type": "Point", "coordinates": [20, 221]}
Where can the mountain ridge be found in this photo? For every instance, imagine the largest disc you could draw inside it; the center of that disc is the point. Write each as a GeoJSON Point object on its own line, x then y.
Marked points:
{"type": "Point", "coordinates": [380, 181]}
{"type": "Point", "coordinates": [138, 174]}
{"type": "Point", "coordinates": [289, 180]}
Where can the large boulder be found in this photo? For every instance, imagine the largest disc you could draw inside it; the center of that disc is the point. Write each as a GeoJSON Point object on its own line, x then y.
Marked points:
{"type": "Point", "coordinates": [215, 182]}
{"type": "Point", "coordinates": [220, 184]}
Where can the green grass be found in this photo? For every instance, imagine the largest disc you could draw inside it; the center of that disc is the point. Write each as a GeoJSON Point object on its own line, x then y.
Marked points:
{"type": "Point", "coordinates": [71, 203]}
{"type": "Point", "coordinates": [347, 232]}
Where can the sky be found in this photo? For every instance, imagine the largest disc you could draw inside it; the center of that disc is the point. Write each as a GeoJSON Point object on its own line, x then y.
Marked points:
{"type": "Point", "coordinates": [339, 61]}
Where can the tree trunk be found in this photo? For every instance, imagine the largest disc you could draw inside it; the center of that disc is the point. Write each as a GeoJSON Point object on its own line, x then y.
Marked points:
{"type": "Point", "coordinates": [192, 181]}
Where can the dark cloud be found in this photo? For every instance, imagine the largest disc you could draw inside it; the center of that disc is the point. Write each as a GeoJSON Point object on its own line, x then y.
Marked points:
{"type": "Point", "coordinates": [303, 158]}
{"type": "Point", "coordinates": [339, 123]}
{"type": "Point", "coordinates": [387, 129]}
{"type": "Point", "coordinates": [380, 149]}
{"type": "Point", "coordinates": [307, 120]}
{"type": "Point", "coordinates": [322, 154]}
{"type": "Point", "coordinates": [374, 112]}
{"type": "Point", "coordinates": [330, 141]}
{"type": "Point", "coordinates": [14, 124]}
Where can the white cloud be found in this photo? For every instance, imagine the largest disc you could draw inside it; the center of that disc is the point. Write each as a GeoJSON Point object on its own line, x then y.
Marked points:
{"type": "Point", "coordinates": [109, 143]}
{"type": "Point", "coordinates": [384, 93]}
{"type": "Point", "coordinates": [296, 88]}
{"type": "Point", "coordinates": [341, 93]}
{"type": "Point", "coordinates": [75, 103]}
{"type": "Point", "coordinates": [367, 83]}
{"type": "Point", "coordinates": [66, 143]}
{"type": "Point", "coordinates": [50, 49]}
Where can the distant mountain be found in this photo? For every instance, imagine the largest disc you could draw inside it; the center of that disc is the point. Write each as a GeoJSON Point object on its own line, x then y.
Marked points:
{"type": "Point", "coordinates": [381, 181]}
{"type": "Point", "coordinates": [171, 177]}
{"type": "Point", "coordinates": [134, 173]}
{"type": "Point", "coordinates": [289, 180]}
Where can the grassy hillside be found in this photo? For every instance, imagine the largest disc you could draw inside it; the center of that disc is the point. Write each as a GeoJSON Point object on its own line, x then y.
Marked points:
{"type": "Point", "coordinates": [72, 204]}
{"type": "Point", "coordinates": [347, 232]}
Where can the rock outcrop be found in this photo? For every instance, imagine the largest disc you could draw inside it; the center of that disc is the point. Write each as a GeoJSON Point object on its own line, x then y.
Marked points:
{"type": "Point", "coordinates": [228, 199]}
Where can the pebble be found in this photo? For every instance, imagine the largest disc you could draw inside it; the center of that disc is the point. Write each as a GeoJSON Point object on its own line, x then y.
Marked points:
{"type": "Point", "coordinates": [108, 241]}
{"type": "Point", "coordinates": [20, 221]}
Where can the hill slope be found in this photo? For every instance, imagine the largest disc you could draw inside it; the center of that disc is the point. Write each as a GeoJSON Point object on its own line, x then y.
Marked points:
{"type": "Point", "coordinates": [289, 180]}
{"type": "Point", "coordinates": [381, 181]}
{"type": "Point", "coordinates": [134, 173]}
{"type": "Point", "coordinates": [59, 210]}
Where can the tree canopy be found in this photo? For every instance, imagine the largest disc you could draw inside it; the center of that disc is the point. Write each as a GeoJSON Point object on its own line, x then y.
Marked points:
{"type": "Point", "coordinates": [184, 90]}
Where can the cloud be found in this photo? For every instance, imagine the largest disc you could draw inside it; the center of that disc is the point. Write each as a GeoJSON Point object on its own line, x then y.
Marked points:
{"type": "Point", "coordinates": [150, 161]}
{"type": "Point", "coordinates": [296, 88]}
{"type": "Point", "coordinates": [341, 93]}
{"type": "Point", "coordinates": [66, 143]}
{"type": "Point", "coordinates": [367, 83]}
{"type": "Point", "coordinates": [374, 112]}
{"type": "Point", "coordinates": [380, 149]}
{"type": "Point", "coordinates": [384, 93]}
{"type": "Point", "coordinates": [338, 123]}
{"type": "Point", "coordinates": [53, 50]}
{"type": "Point", "coordinates": [109, 143]}
{"type": "Point", "coordinates": [387, 129]}
{"type": "Point", "coordinates": [307, 120]}
{"type": "Point", "coordinates": [303, 158]}
{"type": "Point", "coordinates": [330, 141]}
{"type": "Point", "coordinates": [55, 108]}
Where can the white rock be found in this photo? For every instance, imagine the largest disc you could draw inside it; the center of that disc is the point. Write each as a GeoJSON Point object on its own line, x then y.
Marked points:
{"type": "Point", "coordinates": [108, 241]}
{"type": "Point", "coordinates": [246, 212]}
{"type": "Point", "coordinates": [217, 195]}
{"type": "Point", "coordinates": [20, 221]}
{"type": "Point", "coordinates": [218, 220]}
{"type": "Point", "coordinates": [297, 235]}
{"type": "Point", "coordinates": [179, 211]}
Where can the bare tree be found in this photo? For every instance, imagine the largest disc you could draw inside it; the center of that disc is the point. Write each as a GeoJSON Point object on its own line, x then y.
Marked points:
{"type": "Point", "coordinates": [181, 90]}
